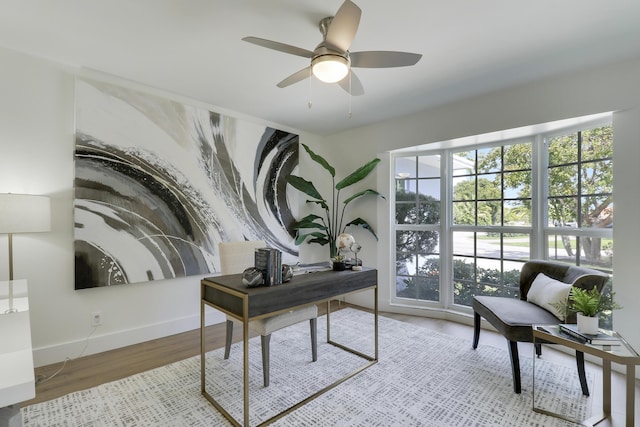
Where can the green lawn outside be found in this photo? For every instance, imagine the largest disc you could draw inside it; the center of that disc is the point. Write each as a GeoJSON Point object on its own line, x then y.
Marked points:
{"type": "Point", "coordinates": [517, 241]}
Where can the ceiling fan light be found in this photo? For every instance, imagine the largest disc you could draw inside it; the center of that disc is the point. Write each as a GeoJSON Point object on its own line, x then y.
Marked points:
{"type": "Point", "coordinates": [330, 68]}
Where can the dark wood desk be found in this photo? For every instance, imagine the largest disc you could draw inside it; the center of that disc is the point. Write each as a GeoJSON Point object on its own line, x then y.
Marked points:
{"type": "Point", "coordinates": [229, 295]}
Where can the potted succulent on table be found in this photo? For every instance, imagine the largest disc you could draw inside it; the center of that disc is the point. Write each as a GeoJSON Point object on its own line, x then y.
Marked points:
{"type": "Point", "coordinates": [338, 263]}
{"type": "Point", "coordinates": [588, 304]}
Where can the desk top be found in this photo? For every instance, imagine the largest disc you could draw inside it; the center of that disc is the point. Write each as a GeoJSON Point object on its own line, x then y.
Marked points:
{"type": "Point", "coordinates": [227, 292]}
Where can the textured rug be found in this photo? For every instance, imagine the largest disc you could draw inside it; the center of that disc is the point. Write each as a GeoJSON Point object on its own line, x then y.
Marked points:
{"type": "Point", "coordinates": [423, 378]}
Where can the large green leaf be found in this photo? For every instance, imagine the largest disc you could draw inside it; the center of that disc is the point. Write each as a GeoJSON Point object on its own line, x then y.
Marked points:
{"type": "Point", "coordinates": [320, 240]}
{"type": "Point", "coordinates": [317, 238]}
{"type": "Point", "coordinates": [309, 222]}
{"type": "Point", "coordinates": [320, 160]}
{"type": "Point", "coordinates": [358, 175]}
{"type": "Point", "coordinates": [322, 203]}
{"type": "Point", "coordinates": [363, 224]}
{"type": "Point", "coordinates": [362, 193]}
{"type": "Point", "coordinates": [303, 185]}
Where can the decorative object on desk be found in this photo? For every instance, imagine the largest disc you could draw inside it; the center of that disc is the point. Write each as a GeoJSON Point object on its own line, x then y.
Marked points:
{"type": "Point", "coordinates": [269, 261]}
{"type": "Point", "coordinates": [588, 303]}
{"type": "Point", "coordinates": [252, 277]}
{"type": "Point", "coordinates": [287, 273]}
{"type": "Point", "coordinates": [356, 248]}
{"type": "Point", "coordinates": [316, 266]}
{"type": "Point", "coordinates": [338, 263]}
{"type": "Point", "coordinates": [344, 242]}
{"type": "Point", "coordinates": [331, 225]}
{"type": "Point", "coordinates": [601, 337]}
{"type": "Point", "coordinates": [23, 213]}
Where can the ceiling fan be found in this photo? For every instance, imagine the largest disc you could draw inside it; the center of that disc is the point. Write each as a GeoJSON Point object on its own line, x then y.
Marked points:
{"type": "Point", "coordinates": [331, 61]}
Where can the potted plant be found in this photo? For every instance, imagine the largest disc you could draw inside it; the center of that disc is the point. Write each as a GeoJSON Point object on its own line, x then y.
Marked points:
{"type": "Point", "coordinates": [338, 263]}
{"type": "Point", "coordinates": [326, 229]}
{"type": "Point", "coordinates": [588, 304]}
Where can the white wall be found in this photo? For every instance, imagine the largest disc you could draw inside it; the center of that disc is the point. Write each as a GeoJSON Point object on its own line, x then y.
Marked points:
{"type": "Point", "coordinates": [611, 88]}
{"type": "Point", "coordinates": [36, 157]}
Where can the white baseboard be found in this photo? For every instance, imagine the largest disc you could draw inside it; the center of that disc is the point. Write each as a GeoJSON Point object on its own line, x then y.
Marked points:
{"type": "Point", "coordinates": [98, 343]}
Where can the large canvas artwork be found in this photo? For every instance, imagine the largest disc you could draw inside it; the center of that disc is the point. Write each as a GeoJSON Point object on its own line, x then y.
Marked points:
{"type": "Point", "coordinates": [159, 184]}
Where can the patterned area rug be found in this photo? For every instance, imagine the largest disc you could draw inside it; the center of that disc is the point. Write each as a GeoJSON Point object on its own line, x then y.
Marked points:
{"type": "Point", "coordinates": [423, 378]}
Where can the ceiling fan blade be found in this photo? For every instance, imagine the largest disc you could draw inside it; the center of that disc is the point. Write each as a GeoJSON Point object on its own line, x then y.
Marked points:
{"type": "Point", "coordinates": [296, 77]}
{"type": "Point", "coordinates": [383, 59]}
{"type": "Point", "coordinates": [282, 47]}
{"type": "Point", "coordinates": [356, 85]}
{"type": "Point", "coordinates": [344, 26]}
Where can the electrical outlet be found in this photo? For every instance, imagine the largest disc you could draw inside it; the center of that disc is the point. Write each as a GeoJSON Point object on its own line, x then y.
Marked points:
{"type": "Point", "coordinates": [96, 318]}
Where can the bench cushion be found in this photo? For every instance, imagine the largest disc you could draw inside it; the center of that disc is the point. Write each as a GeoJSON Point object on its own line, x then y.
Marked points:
{"type": "Point", "coordinates": [512, 317]}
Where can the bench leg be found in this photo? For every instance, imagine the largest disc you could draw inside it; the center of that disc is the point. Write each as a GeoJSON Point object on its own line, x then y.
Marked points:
{"type": "Point", "coordinates": [476, 329]}
{"type": "Point", "coordinates": [515, 366]}
{"type": "Point", "coordinates": [581, 373]}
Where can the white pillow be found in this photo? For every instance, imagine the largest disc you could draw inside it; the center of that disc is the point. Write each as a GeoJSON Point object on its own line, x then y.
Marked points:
{"type": "Point", "coordinates": [545, 292]}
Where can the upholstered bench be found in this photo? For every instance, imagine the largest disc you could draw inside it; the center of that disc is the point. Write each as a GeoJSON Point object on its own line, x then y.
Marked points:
{"type": "Point", "coordinates": [513, 318]}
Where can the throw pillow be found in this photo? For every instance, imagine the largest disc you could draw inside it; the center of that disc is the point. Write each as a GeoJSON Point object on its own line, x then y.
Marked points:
{"type": "Point", "coordinates": [545, 292]}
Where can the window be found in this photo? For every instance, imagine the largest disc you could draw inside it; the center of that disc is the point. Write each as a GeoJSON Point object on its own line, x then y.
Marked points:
{"type": "Point", "coordinates": [580, 201]}
{"type": "Point", "coordinates": [417, 215]}
{"type": "Point", "coordinates": [467, 231]}
{"type": "Point", "coordinates": [491, 227]}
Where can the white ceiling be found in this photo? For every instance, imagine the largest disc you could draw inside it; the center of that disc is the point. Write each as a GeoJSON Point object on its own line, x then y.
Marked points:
{"type": "Point", "coordinates": [193, 48]}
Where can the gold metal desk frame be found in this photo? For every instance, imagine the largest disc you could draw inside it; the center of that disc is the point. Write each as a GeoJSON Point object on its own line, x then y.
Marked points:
{"type": "Point", "coordinates": [623, 354]}
{"type": "Point", "coordinates": [331, 290]}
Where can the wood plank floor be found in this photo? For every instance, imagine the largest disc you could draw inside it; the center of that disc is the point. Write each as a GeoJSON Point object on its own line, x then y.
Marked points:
{"type": "Point", "coordinates": [93, 370]}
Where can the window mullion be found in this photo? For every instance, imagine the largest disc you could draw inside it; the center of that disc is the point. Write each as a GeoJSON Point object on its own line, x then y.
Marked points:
{"type": "Point", "coordinates": [539, 195]}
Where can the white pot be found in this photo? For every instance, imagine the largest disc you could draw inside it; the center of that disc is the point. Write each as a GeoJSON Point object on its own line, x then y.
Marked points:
{"type": "Point", "coordinates": [588, 325]}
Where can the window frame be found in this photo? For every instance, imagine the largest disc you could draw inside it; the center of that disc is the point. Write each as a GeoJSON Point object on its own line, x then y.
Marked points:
{"type": "Point", "coordinates": [539, 229]}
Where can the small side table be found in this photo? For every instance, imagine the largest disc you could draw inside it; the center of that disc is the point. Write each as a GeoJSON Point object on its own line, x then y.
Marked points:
{"type": "Point", "coordinates": [17, 381]}
{"type": "Point", "coordinates": [623, 354]}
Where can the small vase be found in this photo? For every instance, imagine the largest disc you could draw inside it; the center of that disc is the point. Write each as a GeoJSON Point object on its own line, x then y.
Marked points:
{"type": "Point", "coordinates": [588, 325]}
{"type": "Point", "coordinates": [339, 266]}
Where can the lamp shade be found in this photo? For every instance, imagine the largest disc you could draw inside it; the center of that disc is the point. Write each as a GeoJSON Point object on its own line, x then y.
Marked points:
{"type": "Point", "coordinates": [24, 213]}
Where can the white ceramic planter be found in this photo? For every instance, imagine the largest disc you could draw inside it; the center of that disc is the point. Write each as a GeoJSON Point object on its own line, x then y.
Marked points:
{"type": "Point", "coordinates": [588, 325]}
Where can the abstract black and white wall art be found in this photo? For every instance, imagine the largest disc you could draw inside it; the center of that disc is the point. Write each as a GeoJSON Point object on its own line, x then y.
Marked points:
{"type": "Point", "coordinates": [158, 184]}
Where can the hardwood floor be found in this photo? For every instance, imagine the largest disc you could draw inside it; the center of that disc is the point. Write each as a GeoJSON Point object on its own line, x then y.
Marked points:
{"type": "Point", "coordinates": [90, 371]}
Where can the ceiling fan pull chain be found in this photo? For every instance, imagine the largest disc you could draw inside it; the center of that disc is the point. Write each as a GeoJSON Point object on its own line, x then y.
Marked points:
{"type": "Point", "coordinates": [350, 96]}
{"type": "Point", "coordinates": [310, 104]}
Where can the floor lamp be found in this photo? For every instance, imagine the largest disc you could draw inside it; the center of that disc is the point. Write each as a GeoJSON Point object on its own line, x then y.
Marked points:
{"type": "Point", "coordinates": [22, 213]}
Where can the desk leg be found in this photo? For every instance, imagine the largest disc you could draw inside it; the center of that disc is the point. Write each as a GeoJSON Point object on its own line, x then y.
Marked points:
{"type": "Point", "coordinates": [245, 338]}
{"type": "Point", "coordinates": [328, 321]}
{"type": "Point", "coordinates": [202, 338]}
{"type": "Point", "coordinates": [606, 387]}
{"type": "Point", "coordinates": [375, 314]}
{"type": "Point", "coordinates": [631, 391]}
